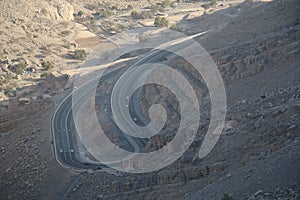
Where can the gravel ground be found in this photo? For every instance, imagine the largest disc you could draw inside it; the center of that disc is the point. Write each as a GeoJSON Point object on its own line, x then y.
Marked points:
{"type": "Point", "coordinates": [273, 176]}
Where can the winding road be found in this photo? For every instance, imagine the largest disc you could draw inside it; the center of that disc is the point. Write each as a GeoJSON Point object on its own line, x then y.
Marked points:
{"type": "Point", "coordinates": [64, 131]}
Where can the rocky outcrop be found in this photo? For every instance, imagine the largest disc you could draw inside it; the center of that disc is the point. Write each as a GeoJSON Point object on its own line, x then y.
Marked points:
{"type": "Point", "coordinates": [65, 11]}
{"type": "Point", "coordinates": [61, 11]}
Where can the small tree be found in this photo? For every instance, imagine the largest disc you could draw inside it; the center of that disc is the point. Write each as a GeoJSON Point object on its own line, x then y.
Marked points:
{"type": "Point", "coordinates": [80, 54]}
{"type": "Point", "coordinates": [161, 22]}
{"type": "Point", "coordinates": [80, 13]}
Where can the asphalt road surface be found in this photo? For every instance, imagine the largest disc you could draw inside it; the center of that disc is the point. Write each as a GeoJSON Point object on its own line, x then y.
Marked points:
{"type": "Point", "coordinates": [63, 129]}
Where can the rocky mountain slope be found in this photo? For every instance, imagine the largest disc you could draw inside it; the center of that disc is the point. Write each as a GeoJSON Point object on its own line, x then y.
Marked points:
{"type": "Point", "coordinates": [256, 47]}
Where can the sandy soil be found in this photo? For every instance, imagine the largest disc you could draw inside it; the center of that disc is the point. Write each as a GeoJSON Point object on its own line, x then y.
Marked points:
{"type": "Point", "coordinates": [85, 38]}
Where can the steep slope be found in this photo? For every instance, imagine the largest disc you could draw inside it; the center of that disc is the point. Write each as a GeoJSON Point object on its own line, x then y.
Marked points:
{"type": "Point", "coordinates": [256, 47]}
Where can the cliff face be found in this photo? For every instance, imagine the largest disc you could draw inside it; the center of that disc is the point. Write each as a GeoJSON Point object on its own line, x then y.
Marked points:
{"type": "Point", "coordinates": [62, 11]}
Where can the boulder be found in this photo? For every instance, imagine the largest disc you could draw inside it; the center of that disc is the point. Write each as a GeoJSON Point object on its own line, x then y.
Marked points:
{"type": "Point", "coordinates": [61, 11]}
{"type": "Point", "coordinates": [66, 11]}
{"type": "Point", "coordinates": [24, 101]}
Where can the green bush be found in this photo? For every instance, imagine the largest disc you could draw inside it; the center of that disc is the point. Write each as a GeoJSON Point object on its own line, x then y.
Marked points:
{"type": "Point", "coordinates": [20, 68]}
{"type": "Point", "coordinates": [205, 6]}
{"type": "Point", "coordinates": [114, 8]}
{"type": "Point", "coordinates": [44, 11]}
{"type": "Point", "coordinates": [129, 7]}
{"type": "Point", "coordinates": [80, 54]}
{"type": "Point", "coordinates": [10, 92]}
{"type": "Point", "coordinates": [1, 54]}
{"type": "Point", "coordinates": [107, 13]}
{"type": "Point", "coordinates": [161, 22]}
{"type": "Point", "coordinates": [5, 80]}
{"type": "Point", "coordinates": [146, 15]}
{"type": "Point", "coordinates": [80, 13]}
{"type": "Point", "coordinates": [174, 27]}
{"type": "Point", "coordinates": [92, 23]}
{"type": "Point", "coordinates": [65, 33]}
{"type": "Point", "coordinates": [135, 14]}
{"type": "Point", "coordinates": [48, 65]}
{"type": "Point", "coordinates": [213, 3]}
{"type": "Point", "coordinates": [161, 9]}
{"type": "Point", "coordinates": [45, 74]}
{"type": "Point", "coordinates": [166, 3]}
{"type": "Point", "coordinates": [143, 15]}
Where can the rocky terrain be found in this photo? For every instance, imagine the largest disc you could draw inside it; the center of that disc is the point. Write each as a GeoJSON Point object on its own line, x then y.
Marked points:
{"type": "Point", "coordinates": [255, 44]}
